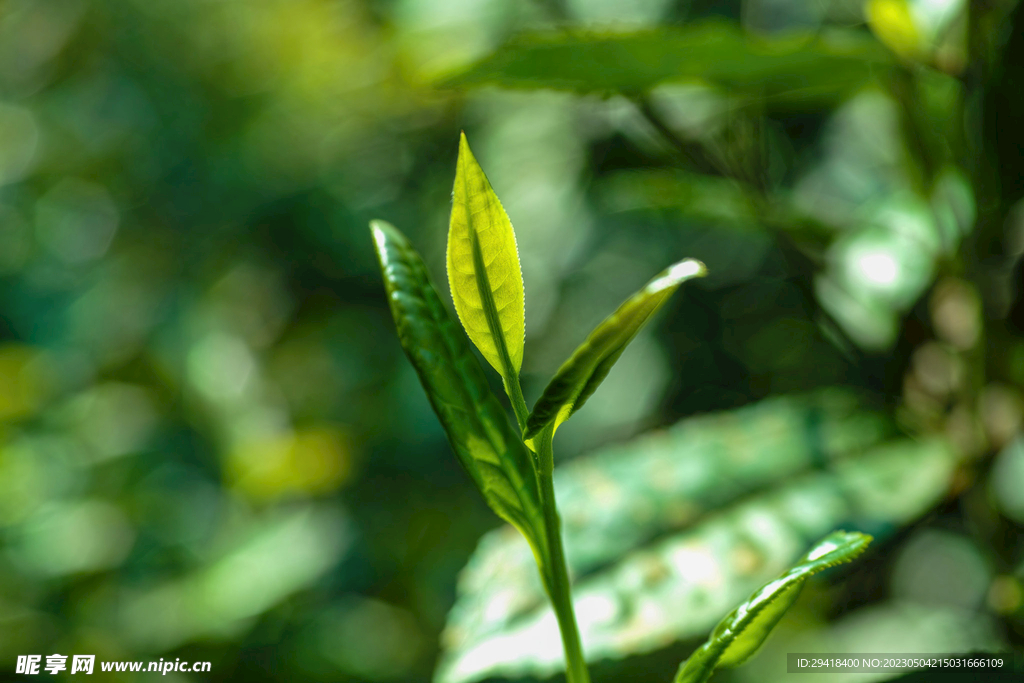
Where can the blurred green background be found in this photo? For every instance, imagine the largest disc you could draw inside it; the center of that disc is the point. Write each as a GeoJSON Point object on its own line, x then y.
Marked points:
{"type": "Point", "coordinates": [212, 446]}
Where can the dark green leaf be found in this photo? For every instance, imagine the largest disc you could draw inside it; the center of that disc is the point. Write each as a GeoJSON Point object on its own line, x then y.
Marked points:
{"type": "Point", "coordinates": [797, 69]}
{"type": "Point", "coordinates": [475, 422]}
{"type": "Point", "coordinates": [745, 629]}
{"type": "Point", "coordinates": [721, 201]}
{"type": "Point", "coordinates": [701, 197]}
{"type": "Point", "coordinates": [589, 364]}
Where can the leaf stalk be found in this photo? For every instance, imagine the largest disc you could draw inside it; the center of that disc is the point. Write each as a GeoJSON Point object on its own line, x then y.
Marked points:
{"type": "Point", "coordinates": [556, 576]}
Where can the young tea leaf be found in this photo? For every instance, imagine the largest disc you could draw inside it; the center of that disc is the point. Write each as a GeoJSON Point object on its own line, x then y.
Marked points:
{"type": "Point", "coordinates": [472, 417]}
{"type": "Point", "coordinates": [580, 376]}
{"type": "Point", "coordinates": [744, 630]}
{"type": "Point", "coordinates": [483, 269]}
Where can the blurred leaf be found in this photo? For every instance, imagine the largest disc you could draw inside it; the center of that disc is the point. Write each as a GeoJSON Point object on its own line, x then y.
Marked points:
{"type": "Point", "coordinates": [893, 22]}
{"type": "Point", "coordinates": [309, 461]}
{"type": "Point", "coordinates": [474, 421]}
{"type": "Point", "coordinates": [369, 639]}
{"type": "Point", "coordinates": [702, 197]}
{"type": "Point", "coordinates": [667, 534]}
{"type": "Point", "coordinates": [879, 269]}
{"type": "Point", "coordinates": [1008, 480]}
{"type": "Point", "coordinates": [268, 559]}
{"type": "Point", "coordinates": [888, 626]}
{"type": "Point", "coordinates": [953, 202]}
{"type": "Point", "coordinates": [74, 536]}
{"type": "Point", "coordinates": [745, 629]}
{"type": "Point", "coordinates": [589, 364]}
{"type": "Point", "coordinates": [794, 69]}
{"type": "Point", "coordinates": [625, 495]}
{"type": "Point", "coordinates": [863, 162]}
{"type": "Point", "coordinates": [483, 269]}
{"type": "Point", "coordinates": [722, 201]}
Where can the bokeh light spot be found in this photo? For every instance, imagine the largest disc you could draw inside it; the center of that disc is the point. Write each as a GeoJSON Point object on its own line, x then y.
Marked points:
{"type": "Point", "coordinates": [65, 538]}
{"type": "Point", "coordinates": [309, 461]}
{"type": "Point", "coordinates": [878, 267]}
{"type": "Point", "coordinates": [220, 366]}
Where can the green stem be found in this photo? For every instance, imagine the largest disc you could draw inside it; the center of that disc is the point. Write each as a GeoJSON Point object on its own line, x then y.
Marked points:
{"type": "Point", "coordinates": [556, 576]}
{"type": "Point", "coordinates": [515, 394]}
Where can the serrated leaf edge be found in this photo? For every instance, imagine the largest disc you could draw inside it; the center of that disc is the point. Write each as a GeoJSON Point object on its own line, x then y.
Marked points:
{"type": "Point", "coordinates": [699, 666]}
{"type": "Point", "coordinates": [511, 367]}
{"type": "Point", "coordinates": [531, 526]}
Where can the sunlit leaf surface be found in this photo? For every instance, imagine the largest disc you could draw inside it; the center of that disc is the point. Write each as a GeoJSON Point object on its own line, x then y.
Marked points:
{"type": "Point", "coordinates": [667, 534]}
{"type": "Point", "coordinates": [893, 22]}
{"type": "Point", "coordinates": [483, 268]}
{"type": "Point", "coordinates": [745, 629]}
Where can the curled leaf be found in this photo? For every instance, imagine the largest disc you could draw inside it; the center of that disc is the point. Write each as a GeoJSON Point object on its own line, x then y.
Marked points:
{"type": "Point", "coordinates": [744, 630]}
{"type": "Point", "coordinates": [589, 364]}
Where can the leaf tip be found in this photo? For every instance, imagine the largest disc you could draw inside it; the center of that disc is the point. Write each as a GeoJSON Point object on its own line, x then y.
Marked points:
{"type": "Point", "coordinates": [678, 273]}
{"type": "Point", "coordinates": [464, 150]}
{"type": "Point", "coordinates": [699, 269]}
{"type": "Point", "coordinates": [838, 547]}
{"type": "Point", "coordinates": [382, 231]}
{"type": "Point", "coordinates": [686, 269]}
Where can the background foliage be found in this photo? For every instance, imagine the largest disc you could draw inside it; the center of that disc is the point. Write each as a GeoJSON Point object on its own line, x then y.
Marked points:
{"type": "Point", "coordinates": [212, 447]}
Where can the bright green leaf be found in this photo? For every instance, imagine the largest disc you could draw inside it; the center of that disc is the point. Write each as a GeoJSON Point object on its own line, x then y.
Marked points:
{"type": "Point", "coordinates": [745, 629]}
{"type": "Point", "coordinates": [795, 70]}
{"type": "Point", "coordinates": [472, 417]}
{"type": "Point", "coordinates": [580, 376]}
{"type": "Point", "coordinates": [483, 269]}
{"type": "Point", "coordinates": [894, 24]}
